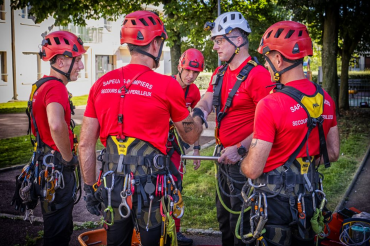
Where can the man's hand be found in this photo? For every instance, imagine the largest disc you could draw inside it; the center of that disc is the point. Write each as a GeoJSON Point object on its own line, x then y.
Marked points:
{"type": "Point", "coordinates": [196, 163]}
{"type": "Point", "coordinates": [17, 200]}
{"type": "Point", "coordinates": [229, 155]}
{"type": "Point", "coordinates": [92, 204]}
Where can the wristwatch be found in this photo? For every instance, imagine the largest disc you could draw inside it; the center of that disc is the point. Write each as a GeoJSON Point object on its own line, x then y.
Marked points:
{"type": "Point", "coordinates": [242, 151]}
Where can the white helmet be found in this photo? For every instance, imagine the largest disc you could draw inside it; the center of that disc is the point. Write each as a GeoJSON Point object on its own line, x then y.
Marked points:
{"type": "Point", "coordinates": [226, 22]}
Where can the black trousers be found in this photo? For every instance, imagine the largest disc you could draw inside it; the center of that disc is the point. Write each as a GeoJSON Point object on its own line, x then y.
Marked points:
{"type": "Point", "coordinates": [227, 221]}
{"type": "Point", "coordinates": [279, 214]}
{"type": "Point", "coordinates": [58, 221]}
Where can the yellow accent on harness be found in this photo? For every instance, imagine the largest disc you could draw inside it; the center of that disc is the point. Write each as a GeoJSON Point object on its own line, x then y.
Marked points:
{"type": "Point", "coordinates": [305, 164]}
{"type": "Point", "coordinates": [122, 146]}
{"type": "Point", "coordinates": [314, 105]}
{"type": "Point", "coordinates": [34, 88]}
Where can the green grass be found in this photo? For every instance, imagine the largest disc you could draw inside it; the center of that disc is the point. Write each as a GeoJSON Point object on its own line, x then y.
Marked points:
{"type": "Point", "coordinates": [199, 195]}
{"type": "Point", "coordinates": [20, 106]}
{"type": "Point", "coordinates": [18, 150]}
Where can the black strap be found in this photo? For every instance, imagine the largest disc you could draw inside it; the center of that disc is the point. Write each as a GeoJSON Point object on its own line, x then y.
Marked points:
{"type": "Point", "coordinates": [217, 88]}
{"type": "Point", "coordinates": [187, 91]}
{"type": "Point", "coordinates": [311, 123]}
{"type": "Point", "coordinates": [29, 110]}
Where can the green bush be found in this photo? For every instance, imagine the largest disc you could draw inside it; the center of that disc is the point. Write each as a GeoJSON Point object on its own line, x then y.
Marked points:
{"type": "Point", "coordinates": [203, 80]}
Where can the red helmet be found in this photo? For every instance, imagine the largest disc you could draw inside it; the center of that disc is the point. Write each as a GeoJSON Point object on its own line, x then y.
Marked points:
{"type": "Point", "coordinates": [290, 38]}
{"type": "Point", "coordinates": [61, 43]}
{"type": "Point", "coordinates": [141, 27]}
{"type": "Point", "coordinates": [192, 59]}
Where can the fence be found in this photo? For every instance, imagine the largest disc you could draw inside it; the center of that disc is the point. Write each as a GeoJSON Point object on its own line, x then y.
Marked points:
{"type": "Point", "coordinates": [358, 92]}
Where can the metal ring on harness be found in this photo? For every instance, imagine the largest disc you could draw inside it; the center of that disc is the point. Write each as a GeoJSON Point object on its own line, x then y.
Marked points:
{"type": "Point", "coordinates": [255, 186]}
{"type": "Point", "coordinates": [155, 163]}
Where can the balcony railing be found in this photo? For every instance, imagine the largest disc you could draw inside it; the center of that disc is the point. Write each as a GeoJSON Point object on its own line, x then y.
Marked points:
{"type": "Point", "coordinates": [87, 34]}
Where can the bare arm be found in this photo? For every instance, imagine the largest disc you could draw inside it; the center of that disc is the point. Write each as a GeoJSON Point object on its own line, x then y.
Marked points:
{"type": "Point", "coordinates": [332, 145]}
{"type": "Point", "coordinates": [205, 102]}
{"type": "Point", "coordinates": [87, 155]}
{"type": "Point", "coordinates": [253, 165]}
{"type": "Point", "coordinates": [59, 129]}
{"type": "Point", "coordinates": [189, 129]}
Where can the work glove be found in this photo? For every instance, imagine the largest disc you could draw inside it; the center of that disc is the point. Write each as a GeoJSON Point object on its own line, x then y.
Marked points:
{"type": "Point", "coordinates": [92, 204]}
{"type": "Point", "coordinates": [17, 200]}
{"type": "Point", "coordinates": [73, 162]}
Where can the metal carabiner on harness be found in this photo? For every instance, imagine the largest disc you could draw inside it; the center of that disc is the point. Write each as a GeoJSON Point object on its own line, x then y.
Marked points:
{"type": "Point", "coordinates": [155, 162]}
{"type": "Point", "coordinates": [109, 190]}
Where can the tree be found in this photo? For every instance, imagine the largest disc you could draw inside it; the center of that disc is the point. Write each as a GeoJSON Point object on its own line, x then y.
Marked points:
{"type": "Point", "coordinates": [184, 19]}
{"type": "Point", "coordinates": [354, 33]}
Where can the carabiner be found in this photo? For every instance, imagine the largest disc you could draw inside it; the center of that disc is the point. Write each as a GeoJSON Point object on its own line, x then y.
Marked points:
{"type": "Point", "coordinates": [255, 186]}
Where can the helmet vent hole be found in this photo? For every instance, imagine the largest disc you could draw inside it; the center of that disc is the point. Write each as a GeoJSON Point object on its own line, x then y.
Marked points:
{"type": "Point", "coordinates": [66, 41]}
{"type": "Point", "coordinates": [144, 22]}
{"type": "Point", "coordinates": [268, 35]}
{"type": "Point", "coordinates": [300, 33]}
{"type": "Point", "coordinates": [225, 19]}
{"type": "Point", "coordinates": [48, 40]}
{"type": "Point", "coordinates": [219, 28]}
{"type": "Point", "coordinates": [289, 34]}
{"type": "Point", "coordinates": [159, 22]}
{"type": "Point", "coordinates": [240, 16]}
{"type": "Point", "coordinates": [232, 16]}
{"type": "Point", "coordinates": [152, 20]}
{"type": "Point", "coordinates": [279, 31]}
{"type": "Point", "coordinates": [133, 22]}
{"type": "Point", "coordinates": [125, 22]}
{"type": "Point", "coordinates": [57, 41]}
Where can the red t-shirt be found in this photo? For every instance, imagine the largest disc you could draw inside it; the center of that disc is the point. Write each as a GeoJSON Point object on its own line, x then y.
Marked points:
{"type": "Point", "coordinates": [193, 96]}
{"type": "Point", "coordinates": [147, 107]}
{"type": "Point", "coordinates": [238, 122]}
{"type": "Point", "coordinates": [51, 91]}
{"type": "Point", "coordinates": [282, 121]}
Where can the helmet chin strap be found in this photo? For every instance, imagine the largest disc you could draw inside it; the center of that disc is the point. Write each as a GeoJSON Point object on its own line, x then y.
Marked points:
{"type": "Point", "coordinates": [68, 74]}
{"type": "Point", "coordinates": [237, 48]}
{"type": "Point", "coordinates": [277, 74]}
{"type": "Point", "coordinates": [180, 76]}
{"type": "Point", "coordinates": [156, 59]}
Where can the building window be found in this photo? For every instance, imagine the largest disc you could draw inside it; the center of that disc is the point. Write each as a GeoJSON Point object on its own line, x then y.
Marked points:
{"type": "Point", "coordinates": [26, 12]}
{"type": "Point", "coordinates": [103, 64]}
{"type": "Point", "coordinates": [108, 25]}
{"type": "Point", "coordinates": [2, 12]}
{"type": "Point", "coordinates": [3, 67]}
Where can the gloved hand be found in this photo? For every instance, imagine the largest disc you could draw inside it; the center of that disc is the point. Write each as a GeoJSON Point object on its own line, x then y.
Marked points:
{"type": "Point", "coordinates": [92, 204]}
{"type": "Point", "coordinates": [72, 162]}
{"type": "Point", "coordinates": [17, 200]}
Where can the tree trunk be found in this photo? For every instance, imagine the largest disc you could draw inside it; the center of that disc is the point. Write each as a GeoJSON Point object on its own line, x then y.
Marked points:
{"type": "Point", "coordinates": [175, 54]}
{"type": "Point", "coordinates": [343, 90]}
{"type": "Point", "coordinates": [329, 52]}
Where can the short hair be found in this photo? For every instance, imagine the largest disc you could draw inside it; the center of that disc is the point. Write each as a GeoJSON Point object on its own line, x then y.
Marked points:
{"type": "Point", "coordinates": [132, 48]}
{"type": "Point", "coordinates": [243, 35]}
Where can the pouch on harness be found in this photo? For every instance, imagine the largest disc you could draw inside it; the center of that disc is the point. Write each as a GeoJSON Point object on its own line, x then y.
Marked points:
{"type": "Point", "coordinates": [298, 179]}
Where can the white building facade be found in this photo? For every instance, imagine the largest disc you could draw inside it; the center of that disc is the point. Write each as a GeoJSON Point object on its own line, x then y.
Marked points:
{"type": "Point", "coordinates": [101, 41]}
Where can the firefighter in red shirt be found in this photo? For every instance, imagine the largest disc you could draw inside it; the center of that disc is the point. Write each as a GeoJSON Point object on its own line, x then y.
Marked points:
{"type": "Point", "coordinates": [295, 128]}
{"type": "Point", "coordinates": [234, 92]}
{"type": "Point", "coordinates": [191, 63]}
{"type": "Point", "coordinates": [53, 161]}
{"type": "Point", "coordinates": [129, 109]}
